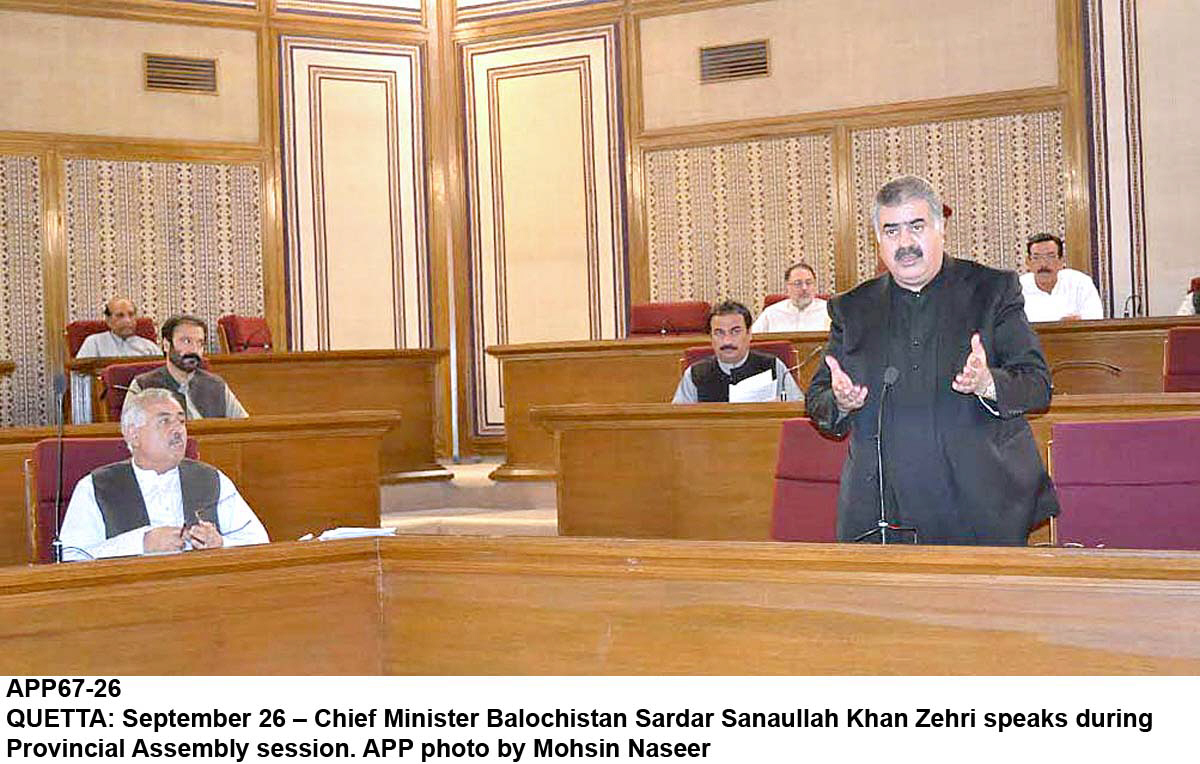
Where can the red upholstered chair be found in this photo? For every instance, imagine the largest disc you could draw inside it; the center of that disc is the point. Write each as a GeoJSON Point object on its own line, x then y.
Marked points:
{"type": "Point", "coordinates": [78, 331]}
{"type": "Point", "coordinates": [782, 350]}
{"type": "Point", "coordinates": [688, 317]}
{"type": "Point", "coordinates": [771, 299]}
{"type": "Point", "coordinates": [244, 334]}
{"type": "Point", "coordinates": [79, 457]}
{"type": "Point", "coordinates": [1195, 285]}
{"type": "Point", "coordinates": [116, 380]}
{"type": "Point", "coordinates": [807, 476]}
{"type": "Point", "coordinates": [1181, 362]}
{"type": "Point", "coordinates": [1131, 484]}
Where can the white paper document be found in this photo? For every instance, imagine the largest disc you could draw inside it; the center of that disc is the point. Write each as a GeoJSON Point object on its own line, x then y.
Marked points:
{"type": "Point", "coordinates": [757, 389]}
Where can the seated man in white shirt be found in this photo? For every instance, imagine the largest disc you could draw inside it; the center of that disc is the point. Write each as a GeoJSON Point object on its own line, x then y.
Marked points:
{"type": "Point", "coordinates": [120, 340]}
{"type": "Point", "coordinates": [157, 501]}
{"type": "Point", "coordinates": [1190, 305]}
{"type": "Point", "coordinates": [735, 373]}
{"type": "Point", "coordinates": [1052, 291]}
{"type": "Point", "coordinates": [802, 311]}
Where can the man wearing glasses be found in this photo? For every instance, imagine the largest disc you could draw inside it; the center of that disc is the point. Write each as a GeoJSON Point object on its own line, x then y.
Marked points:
{"type": "Point", "coordinates": [1052, 291]}
{"type": "Point", "coordinates": [802, 311]}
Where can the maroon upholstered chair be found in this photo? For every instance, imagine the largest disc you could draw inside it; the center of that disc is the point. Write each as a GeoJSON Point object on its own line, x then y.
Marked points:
{"type": "Point", "coordinates": [244, 334]}
{"type": "Point", "coordinates": [771, 299]}
{"type": "Point", "coordinates": [1131, 484]}
{"type": "Point", "coordinates": [1181, 362]}
{"type": "Point", "coordinates": [1195, 285]}
{"type": "Point", "coordinates": [116, 380]}
{"type": "Point", "coordinates": [782, 350]}
{"type": "Point", "coordinates": [78, 331]}
{"type": "Point", "coordinates": [79, 457]}
{"type": "Point", "coordinates": [689, 317]}
{"type": "Point", "coordinates": [807, 476]}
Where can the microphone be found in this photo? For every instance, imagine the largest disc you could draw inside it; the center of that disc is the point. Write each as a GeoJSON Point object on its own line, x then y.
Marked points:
{"type": "Point", "coordinates": [1136, 299]}
{"type": "Point", "coordinates": [890, 375]}
{"type": "Point", "coordinates": [60, 389]}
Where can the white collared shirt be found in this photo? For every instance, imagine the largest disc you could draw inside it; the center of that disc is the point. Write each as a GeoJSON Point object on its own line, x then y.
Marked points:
{"type": "Point", "coordinates": [784, 316]}
{"type": "Point", "coordinates": [83, 532]}
{"type": "Point", "coordinates": [1074, 294]}
{"type": "Point", "coordinates": [109, 345]}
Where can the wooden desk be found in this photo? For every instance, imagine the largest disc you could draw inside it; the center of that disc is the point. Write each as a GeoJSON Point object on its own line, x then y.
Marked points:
{"type": "Point", "coordinates": [309, 383]}
{"type": "Point", "coordinates": [299, 473]}
{"type": "Point", "coordinates": [442, 605]}
{"type": "Point", "coordinates": [646, 370]}
{"type": "Point", "coordinates": [655, 470]}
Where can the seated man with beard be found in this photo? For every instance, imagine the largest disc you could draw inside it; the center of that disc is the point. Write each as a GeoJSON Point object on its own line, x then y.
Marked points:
{"type": "Point", "coordinates": [202, 395]}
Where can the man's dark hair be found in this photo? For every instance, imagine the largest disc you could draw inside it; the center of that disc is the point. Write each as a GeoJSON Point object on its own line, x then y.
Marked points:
{"type": "Point", "coordinates": [788, 273]}
{"type": "Point", "coordinates": [1038, 238]}
{"type": "Point", "coordinates": [728, 308]}
{"type": "Point", "coordinates": [169, 326]}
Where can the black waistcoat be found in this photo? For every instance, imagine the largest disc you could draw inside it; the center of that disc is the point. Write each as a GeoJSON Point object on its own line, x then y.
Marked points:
{"type": "Point", "coordinates": [123, 508]}
{"type": "Point", "coordinates": [206, 390]}
{"type": "Point", "coordinates": [712, 384]}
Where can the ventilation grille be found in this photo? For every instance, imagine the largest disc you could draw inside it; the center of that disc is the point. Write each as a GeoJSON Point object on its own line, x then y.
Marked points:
{"type": "Point", "coordinates": [181, 75]}
{"type": "Point", "coordinates": [734, 62]}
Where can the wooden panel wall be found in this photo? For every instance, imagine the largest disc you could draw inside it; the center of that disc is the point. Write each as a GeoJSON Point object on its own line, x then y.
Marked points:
{"type": "Point", "coordinates": [544, 173]}
{"type": "Point", "coordinates": [355, 186]}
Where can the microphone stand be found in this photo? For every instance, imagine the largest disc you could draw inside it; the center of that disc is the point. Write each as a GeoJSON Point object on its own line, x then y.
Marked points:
{"type": "Point", "coordinates": [882, 526]}
{"type": "Point", "coordinates": [60, 387]}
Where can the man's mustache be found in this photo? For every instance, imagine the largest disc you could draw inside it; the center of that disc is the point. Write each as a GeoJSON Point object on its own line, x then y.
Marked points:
{"type": "Point", "coordinates": [1045, 270]}
{"type": "Point", "coordinates": [729, 347]}
{"type": "Point", "coordinates": [910, 251]}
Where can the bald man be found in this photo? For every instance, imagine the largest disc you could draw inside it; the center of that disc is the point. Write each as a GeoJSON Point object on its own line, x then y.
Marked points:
{"type": "Point", "coordinates": [121, 339]}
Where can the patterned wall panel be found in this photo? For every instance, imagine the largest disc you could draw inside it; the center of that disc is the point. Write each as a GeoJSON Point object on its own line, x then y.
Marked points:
{"type": "Point", "coordinates": [724, 221]}
{"type": "Point", "coordinates": [25, 394]}
{"type": "Point", "coordinates": [355, 187]}
{"type": "Point", "coordinates": [466, 10]}
{"type": "Point", "coordinates": [1004, 177]}
{"type": "Point", "coordinates": [386, 10]}
{"type": "Point", "coordinates": [174, 236]}
{"type": "Point", "coordinates": [545, 195]}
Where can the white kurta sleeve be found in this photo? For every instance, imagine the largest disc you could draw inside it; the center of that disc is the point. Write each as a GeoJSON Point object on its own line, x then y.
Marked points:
{"type": "Point", "coordinates": [239, 525]}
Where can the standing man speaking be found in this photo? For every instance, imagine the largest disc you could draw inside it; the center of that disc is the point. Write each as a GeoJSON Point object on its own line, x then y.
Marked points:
{"type": "Point", "coordinates": [959, 462]}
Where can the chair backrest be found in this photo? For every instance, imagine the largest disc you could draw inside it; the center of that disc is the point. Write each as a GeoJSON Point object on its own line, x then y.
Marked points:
{"type": "Point", "coordinates": [116, 379]}
{"type": "Point", "coordinates": [1132, 484]}
{"type": "Point", "coordinates": [688, 317]}
{"type": "Point", "coordinates": [79, 457]}
{"type": "Point", "coordinates": [244, 334]}
{"type": "Point", "coordinates": [78, 331]}
{"type": "Point", "coordinates": [781, 349]}
{"type": "Point", "coordinates": [1181, 362]}
{"type": "Point", "coordinates": [807, 476]}
{"type": "Point", "coordinates": [771, 299]}
{"type": "Point", "coordinates": [1195, 285]}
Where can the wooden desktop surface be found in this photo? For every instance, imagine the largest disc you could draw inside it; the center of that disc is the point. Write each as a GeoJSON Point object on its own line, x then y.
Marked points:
{"type": "Point", "coordinates": [444, 605]}
{"type": "Point", "coordinates": [707, 471]}
{"type": "Point", "coordinates": [300, 473]}
{"type": "Point", "coordinates": [646, 369]}
{"type": "Point", "coordinates": [316, 382]}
